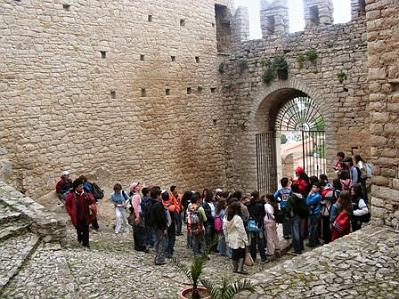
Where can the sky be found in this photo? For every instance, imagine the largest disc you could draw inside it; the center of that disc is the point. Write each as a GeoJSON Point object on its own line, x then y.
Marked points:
{"type": "Point", "coordinates": [342, 14]}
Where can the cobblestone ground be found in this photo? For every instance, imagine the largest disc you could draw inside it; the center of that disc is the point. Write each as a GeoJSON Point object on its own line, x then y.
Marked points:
{"type": "Point", "coordinates": [362, 265]}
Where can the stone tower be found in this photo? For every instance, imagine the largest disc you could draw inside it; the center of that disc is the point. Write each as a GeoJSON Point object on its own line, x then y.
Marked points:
{"type": "Point", "coordinates": [274, 17]}
{"type": "Point", "coordinates": [358, 8]}
{"type": "Point", "coordinates": [240, 25]}
{"type": "Point", "coordinates": [318, 12]}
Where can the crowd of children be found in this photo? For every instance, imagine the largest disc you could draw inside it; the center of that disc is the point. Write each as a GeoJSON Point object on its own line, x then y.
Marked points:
{"type": "Point", "coordinates": [231, 224]}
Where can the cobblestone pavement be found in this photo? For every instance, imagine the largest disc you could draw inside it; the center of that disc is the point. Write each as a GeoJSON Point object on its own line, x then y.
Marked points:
{"type": "Point", "coordinates": [362, 265]}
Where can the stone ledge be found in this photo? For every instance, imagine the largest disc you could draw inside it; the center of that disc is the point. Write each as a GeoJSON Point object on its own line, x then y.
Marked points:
{"type": "Point", "coordinates": [44, 223]}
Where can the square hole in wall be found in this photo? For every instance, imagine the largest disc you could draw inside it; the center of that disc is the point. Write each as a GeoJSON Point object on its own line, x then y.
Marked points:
{"type": "Point", "coordinates": [197, 59]}
{"type": "Point", "coordinates": [66, 6]}
{"type": "Point", "coordinates": [189, 90]}
{"type": "Point", "coordinates": [149, 18]}
{"type": "Point", "coordinates": [173, 58]}
{"type": "Point", "coordinates": [103, 54]}
{"type": "Point", "coordinates": [167, 91]}
{"type": "Point", "coordinates": [143, 92]}
{"type": "Point", "coordinates": [213, 89]}
{"type": "Point", "coordinates": [142, 57]}
{"type": "Point", "coordinates": [182, 22]}
{"type": "Point", "coordinates": [113, 94]}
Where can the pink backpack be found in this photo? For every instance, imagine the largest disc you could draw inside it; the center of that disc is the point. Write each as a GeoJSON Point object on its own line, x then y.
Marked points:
{"type": "Point", "coordinates": [218, 224]}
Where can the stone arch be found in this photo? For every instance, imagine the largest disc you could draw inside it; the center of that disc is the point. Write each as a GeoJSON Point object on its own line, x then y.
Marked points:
{"type": "Point", "coordinates": [266, 102]}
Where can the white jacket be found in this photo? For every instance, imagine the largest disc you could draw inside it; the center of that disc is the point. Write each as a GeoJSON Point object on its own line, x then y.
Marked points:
{"type": "Point", "coordinates": [234, 232]}
{"type": "Point", "coordinates": [269, 214]}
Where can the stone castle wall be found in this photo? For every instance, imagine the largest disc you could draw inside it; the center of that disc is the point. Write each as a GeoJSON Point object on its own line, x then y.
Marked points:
{"type": "Point", "coordinates": [383, 78]}
{"type": "Point", "coordinates": [251, 105]}
{"type": "Point", "coordinates": [128, 88]}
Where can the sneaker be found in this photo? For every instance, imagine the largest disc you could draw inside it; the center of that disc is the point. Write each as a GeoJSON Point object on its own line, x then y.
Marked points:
{"type": "Point", "coordinates": [160, 263]}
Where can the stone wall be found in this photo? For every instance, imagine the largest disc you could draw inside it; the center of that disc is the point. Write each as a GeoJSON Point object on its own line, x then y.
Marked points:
{"type": "Point", "coordinates": [251, 105]}
{"type": "Point", "coordinates": [126, 86]}
{"type": "Point", "coordinates": [383, 77]}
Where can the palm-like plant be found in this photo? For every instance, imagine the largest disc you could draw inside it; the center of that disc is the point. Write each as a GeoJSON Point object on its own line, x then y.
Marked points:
{"type": "Point", "coordinates": [193, 273]}
{"type": "Point", "coordinates": [227, 290]}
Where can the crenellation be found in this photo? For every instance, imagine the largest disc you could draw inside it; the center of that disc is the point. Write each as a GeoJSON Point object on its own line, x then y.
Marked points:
{"type": "Point", "coordinates": [274, 17]}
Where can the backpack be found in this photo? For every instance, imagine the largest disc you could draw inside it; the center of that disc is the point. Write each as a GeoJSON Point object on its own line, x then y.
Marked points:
{"type": "Point", "coordinates": [97, 192]}
{"type": "Point", "coordinates": [252, 226]}
{"type": "Point", "coordinates": [218, 224]}
{"type": "Point", "coordinates": [302, 209]}
{"type": "Point", "coordinates": [369, 170]}
{"type": "Point", "coordinates": [195, 226]}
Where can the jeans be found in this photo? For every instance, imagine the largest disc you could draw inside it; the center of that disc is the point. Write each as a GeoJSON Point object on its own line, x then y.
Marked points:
{"type": "Point", "coordinates": [150, 237]}
{"type": "Point", "coordinates": [286, 224]}
{"type": "Point", "coordinates": [326, 232]}
{"type": "Point", "coordinates": [160, 240]}
{"type": "Point", "coordinates": [297, 234]}
{"type": "Point", "coordinates": [179, 223]}
{"type": "Point", "coordinates": [209, 233]}
{"type": "Point", "coordinates": [313, 232]}
{"type": "Point", "coordinates": [258, 239]}
{"type": "Point", "coordinates": [221, 244]}
{"type": "Point", "coordinates": [82, 229]}
{"type": "Point", "coordinates": [198, 244]}
{"type": "Point", "coordinates": [171, 240]}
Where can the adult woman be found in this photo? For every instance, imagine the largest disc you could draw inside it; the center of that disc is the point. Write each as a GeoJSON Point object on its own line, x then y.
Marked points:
{"type": "Point", "coordinates": [365, 173]}
{"type": "Point", "coordinates": [139, 235]}
{"type": "Point", "coordinates": [302, 181]}
{"type": "Point", "coordinates": [270, 225]}
{"type": "Point", "coordinates": [360, 212]}
{"type": "Point", "coordinates": [236, 236]}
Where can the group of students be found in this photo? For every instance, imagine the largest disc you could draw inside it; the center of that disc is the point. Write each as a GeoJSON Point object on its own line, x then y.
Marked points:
{"type": "Point", "coordinates": [232, 224]}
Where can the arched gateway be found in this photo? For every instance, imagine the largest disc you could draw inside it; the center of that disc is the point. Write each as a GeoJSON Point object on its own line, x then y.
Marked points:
{"type": "Point", "coordinates": [290, 132]}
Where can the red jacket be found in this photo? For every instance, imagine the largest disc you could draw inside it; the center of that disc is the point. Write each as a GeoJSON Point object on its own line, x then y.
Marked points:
{"type": "Point", "coordinates": [302, 185]}
{"type": "Point", "coordinates": [80, 206]}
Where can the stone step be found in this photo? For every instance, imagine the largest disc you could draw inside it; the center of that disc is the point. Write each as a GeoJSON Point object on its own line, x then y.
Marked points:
{"type": "Point", "coordinates": [8, 215]}
{"type": "Point", "coordinates": [12, 229]}
{"type": "Point", "coordinates": [46, 274]}
{"type": "Point", "coordinates": [14, 252]}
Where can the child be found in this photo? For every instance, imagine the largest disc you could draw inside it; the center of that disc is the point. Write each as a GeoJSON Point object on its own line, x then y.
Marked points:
{"type": "Point", "coordinates": [270, 225]}
{"type": "Point", "coordinates": [360, 210]}
{"type": "Point", "coordinates": [120, 199]}
{"type": "Point", "coordinates": [195, 224]}
{"type": "Point", "coordinates": [218, 225]}
{"type": "Point", "coordinates": [313, 202]}
{"type": "Point", "coordinates": [341, 225]}
{"type": "Point", "coordinates": [327, 200]}
{"type": "Point", "coordinates": [282, 196]}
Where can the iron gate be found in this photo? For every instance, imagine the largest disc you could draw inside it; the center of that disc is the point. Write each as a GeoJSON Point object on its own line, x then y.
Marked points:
{"type": "Point", "coordinates": [314, 152]}
{"type": "Point", "coordinates": [266, 162]}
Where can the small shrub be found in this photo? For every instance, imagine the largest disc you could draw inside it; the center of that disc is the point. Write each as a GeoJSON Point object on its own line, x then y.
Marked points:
{"type": "Point", "coordinates": [301, 60]}
{"type": "Point", "coordinates": [311, 55]}
{"type": "Point", "coordinates": [268, 76]}
{"type": "Point", "coordinates": [280, 64]}
{"type": "Point", "coordinates": [266, 62]}
{"type": "Point", "coordinates": [341, 76]}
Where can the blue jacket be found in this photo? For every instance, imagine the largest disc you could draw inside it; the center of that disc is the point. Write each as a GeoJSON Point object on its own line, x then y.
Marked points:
{"type": "Point", "coordinates": [282, 196]}
{"type": "Point", "coordinates": [313, 202]}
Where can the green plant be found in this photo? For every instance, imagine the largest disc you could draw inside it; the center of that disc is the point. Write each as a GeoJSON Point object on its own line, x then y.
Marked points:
{"type": "Point", "coordinates": [228, 289]}
{"type": "Point", "coordinates": [193, 272]}
{"type": "Point", "coordinates": [243, 65]}
{"type": "Point", "coordinates": [280, 64]}
{"type": "Point", "coordinates": [301, 60]}
{"type": "Point", "coordinates": [221, 68]}
{"type": "Point", "coordinates": [266, 62]}
{"type": "Point", "coordinates": [311, 55]}
{"type": "Point", "coordinates": [341, 76]}
{"type": "Point", "coordinates": [268, 76]}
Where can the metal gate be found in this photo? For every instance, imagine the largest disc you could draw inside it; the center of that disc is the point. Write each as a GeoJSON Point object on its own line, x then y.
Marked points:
{"type": "Point", "coordinates": [314, 152]}
{"type": "Point", "coordinates": [299, 118]}
{"type": "Point", "coordinates": [266, 162]}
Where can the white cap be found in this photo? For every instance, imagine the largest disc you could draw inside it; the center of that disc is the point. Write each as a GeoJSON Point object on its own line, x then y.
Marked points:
{"type": "Point", "coordinates": [218, 190]}
{"type": "Point", "coordinates": [65, 173]}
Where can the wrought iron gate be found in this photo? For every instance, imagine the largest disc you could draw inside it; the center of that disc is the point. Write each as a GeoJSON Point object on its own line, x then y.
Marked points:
{"type": "Point", "coordinates": [301, 120]}
{"type": "Point", "coordinates": [266, 162]}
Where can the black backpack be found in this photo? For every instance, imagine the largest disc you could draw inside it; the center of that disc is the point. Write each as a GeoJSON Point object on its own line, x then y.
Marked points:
{"type": "Point", "coordinates": [97, 192]}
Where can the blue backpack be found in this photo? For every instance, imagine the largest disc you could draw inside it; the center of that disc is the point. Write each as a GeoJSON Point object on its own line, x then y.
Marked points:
{"type": "Point", "coordinates": [252, 226]}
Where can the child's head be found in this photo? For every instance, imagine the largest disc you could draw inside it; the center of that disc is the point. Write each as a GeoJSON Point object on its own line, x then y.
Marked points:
{"type": "Point", "coordinates": [295, 188]}
{"type": "Point", "coordinates": [345, 201]}
{"type": "Point", "coordinates": [117, 188]}
{"type": "Point", "coordinates": [165, 196]}
{"type": "Point", "coordinates": [284, 182]}
{"type": "Point", "coordinates": [340, 156]}
{"type": "Point", "coordinates": [356, 191]}
{"type": "Point", "coordinates": [145, 191]}
{"type": "Point", "coordinates": [316, 187]}
{"type": "Point", "coordinates": [344, 175]}
{"type": "Point", "coordinates": [155, 192]}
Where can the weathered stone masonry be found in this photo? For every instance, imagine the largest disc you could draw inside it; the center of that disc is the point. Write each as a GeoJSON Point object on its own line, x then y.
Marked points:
{"type": "Point", "coordinates": [252, 105]}
{"type": "Point", "coordinates": [383, 78]}
{"type": "Point", "coordinates": [126, 88]}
